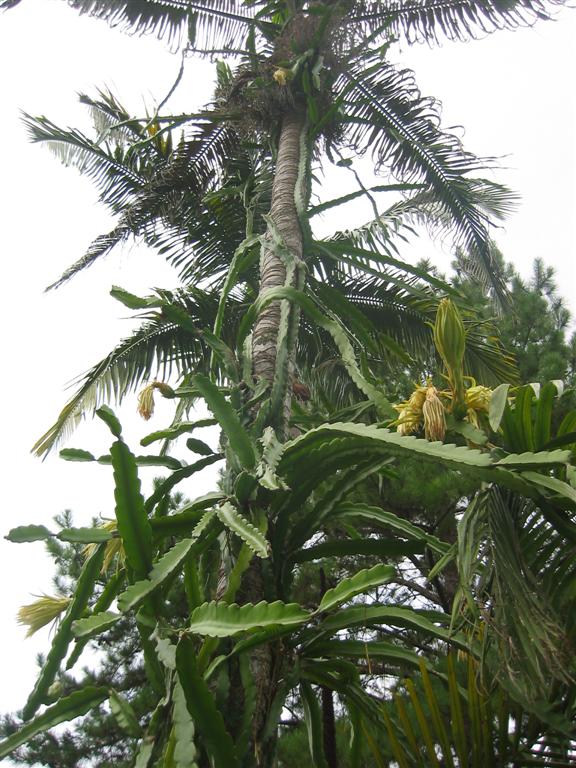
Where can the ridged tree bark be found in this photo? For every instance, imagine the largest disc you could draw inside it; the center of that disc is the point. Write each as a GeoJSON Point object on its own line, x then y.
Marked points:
{"type": "Point", "coordinates": [284, 215]}
{"type": "Point", "coordinates": [284, 224]}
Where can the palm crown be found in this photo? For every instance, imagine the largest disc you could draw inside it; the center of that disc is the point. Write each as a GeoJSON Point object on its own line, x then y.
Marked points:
{"type": "Point", "coordinates": [199, 187]}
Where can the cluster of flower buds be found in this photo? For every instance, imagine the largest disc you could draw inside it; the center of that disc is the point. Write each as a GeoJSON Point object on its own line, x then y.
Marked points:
{"type": "Point", "coordinates": [423, 409]}
{"type": "Point", "coordinates": [426, 408]}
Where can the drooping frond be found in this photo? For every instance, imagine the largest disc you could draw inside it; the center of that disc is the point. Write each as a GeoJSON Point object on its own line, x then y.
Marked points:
{"type": "Point", "coordinates": [523, 576]}
{"type": "Point", "coordinates": [389, 323]}
{"type": "Point", "coordinates": [118, 178]}
{"type": "Point", "coordinates": [111, 119]}
{"type": "Point", "coordinates": [199, 233]}
{"type": "Point", "coordinates": [206, 23]}
{"type": "Point", "coordinates": [160, 199]}
{"type": "Point", "coordinates": [387, 115]}
{"type": "Point", "coordinates": [381, 234]}
{"type": "Point", "coordinates": [432, 21]}
{"type": "Point", "coordinates": [158, 348]}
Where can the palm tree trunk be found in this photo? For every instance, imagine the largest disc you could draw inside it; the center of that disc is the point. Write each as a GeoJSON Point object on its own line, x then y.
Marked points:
{"type": "Point", "coordinates": [328, 717]}
{"type": "Point", "coordinates": [282, 252]}
{"type": "Point", "coordinates": [285, 222]}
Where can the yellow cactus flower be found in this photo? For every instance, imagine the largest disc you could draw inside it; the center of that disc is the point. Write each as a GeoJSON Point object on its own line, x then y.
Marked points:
{"type": "Point", "coordinates": [434, 416]}
{"type": "Point", "coordinates": [478, 398]}
{"type": "Point", "coordinates": [281, 76]}
{"type": "Point", "coordinates": [41, 612]}
{"type": "Point", "coordinates": [114, 547]}
{"type": "Point", "coordinates": [410, 412]}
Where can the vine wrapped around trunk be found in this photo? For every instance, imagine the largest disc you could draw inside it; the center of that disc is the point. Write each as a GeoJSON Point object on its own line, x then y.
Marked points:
{"type": "Point", "coordinates": [273, 341]}
{"type": "Point", "coordinates": [281, 264]}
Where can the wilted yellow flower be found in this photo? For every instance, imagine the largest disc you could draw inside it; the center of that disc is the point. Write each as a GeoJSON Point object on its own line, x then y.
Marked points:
{"type": "Point", "coordinates": [478, 398]}
{"type": "Point", "coordinates": [477, 401]}
{"type": "Point", "coordinates": [410, 412]}
{"type": "Point", "coordinates": [43, 611]}
{"type": "Point", "coordinates": [146, 397]}
{"type": "Point", "coordinates": [114, 547]}
{"type": "Point", "coordinates": [472, 417]}
{"type": "Point", "coordinates": [281, 75]}
{"type": "Point", "coordinates": [434, 416]}
{"type": "Point", "coordinates": [146, 401]}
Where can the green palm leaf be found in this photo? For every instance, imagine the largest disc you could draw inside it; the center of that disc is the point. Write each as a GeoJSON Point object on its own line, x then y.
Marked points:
{"type": "Point", "coordinates": [159, 348]}
{"type": "Point", "coordinates": [435, 20]}
{"type": "Point", "coordinates": [160, 193]}
{"type": "Point", "coordinates": [117, 177]}
{"type": "Point", "coordinates": [385, 110]}
{"type": "Point", "coordinates": [213, 24]}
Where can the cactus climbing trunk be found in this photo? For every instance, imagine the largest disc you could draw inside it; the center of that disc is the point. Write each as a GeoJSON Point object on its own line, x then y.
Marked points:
{"type": "Point", "coordinates": [284, 223]}
{"type": "Point", "coordinates": [280, 263]}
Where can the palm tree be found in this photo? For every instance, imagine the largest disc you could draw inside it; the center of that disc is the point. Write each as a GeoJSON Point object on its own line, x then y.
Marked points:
{"type": "Point", "coordinates": [311, 82]}
{"type": "Point", "coordinates": [150, 190]}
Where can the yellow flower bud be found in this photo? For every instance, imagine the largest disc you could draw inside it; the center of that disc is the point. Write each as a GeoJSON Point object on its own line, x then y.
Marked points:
{"type": "Point", "coordinates": [449, 335]}
{"type": "Point", "coordinates": [114, 547]}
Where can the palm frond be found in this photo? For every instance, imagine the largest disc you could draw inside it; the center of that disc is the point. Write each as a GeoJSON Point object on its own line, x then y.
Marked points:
{"type": "Point", "coordinates": [207, 24]}
{"type": "Point", "coordinates": [386, 114]}
{"type": "Point", "coordinates": [110, 118]}
{"type": "Point", "coordinates": [117, 177]}
{"type": "Point", "coordinates": [380, 234]}
{"type": "Point", "coordinates": [521, 575]}
{"type": "Point", "coordinates": [434, 719]}
{"type": "Point", "coordinates": [408, 318]}
{"type": "Point", "coordinates": [166, 204]}
{"type": "Point", "coordinates": [158, 348]}
{"type": "Point", "coordinates": [395, 337]}
{"type": "Point", "coordinates": [435, 20]}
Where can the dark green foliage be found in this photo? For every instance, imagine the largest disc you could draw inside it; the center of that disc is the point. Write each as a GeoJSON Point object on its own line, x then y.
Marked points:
{"type": "Point", "coordinates": [537, 330]}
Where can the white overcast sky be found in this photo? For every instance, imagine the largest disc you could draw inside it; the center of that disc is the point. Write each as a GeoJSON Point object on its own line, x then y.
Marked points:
{"type": "Point", "coordinates": [513, 93]}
